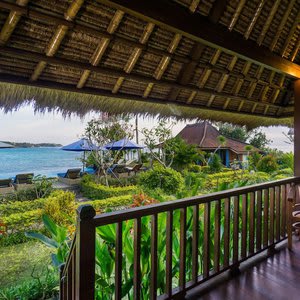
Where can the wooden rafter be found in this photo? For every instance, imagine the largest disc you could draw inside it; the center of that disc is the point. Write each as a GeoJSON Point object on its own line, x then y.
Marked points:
{"type": "Point", "coordinates": [187, 71]}
{"type": "Point", "coordinates": [254, 19]}
{"type": "Point", "coordinates": [200, 29]}
{"type": "Point", "coordinates": [11, 23]}
{"type": "Point", "coordinates": [193, 6]}
{"type": "Point", "coordinates": [237, 14]}
{"type": "Point", "coordinates": [115, 73]}
{"type": "Point", "coordinates": [102, 46]}
{"type": "Point", "coordinates": [282, 23]}
{"type": "Point", "coordinates": [296, 50]}
{"type": "Point", "coordinates": [217, 10]}
{"type": "Point", "coordinates": [57, 38]}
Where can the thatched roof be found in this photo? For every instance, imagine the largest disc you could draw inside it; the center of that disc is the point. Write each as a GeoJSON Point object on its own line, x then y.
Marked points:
{"type": "Point", "coordinates": [77, 56]}
{"type": "Point", "coordinates": [205, 136]}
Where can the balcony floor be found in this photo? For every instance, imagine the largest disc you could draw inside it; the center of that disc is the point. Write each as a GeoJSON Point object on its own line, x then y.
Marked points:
{"type": "Point", "coordinates": [274, 278]}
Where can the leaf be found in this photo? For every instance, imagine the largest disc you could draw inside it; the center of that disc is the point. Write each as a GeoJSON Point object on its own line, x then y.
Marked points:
{"type": "Point", "coordinates": [49, 224]}
{"type": "Point", "coordinates": [44, 239]}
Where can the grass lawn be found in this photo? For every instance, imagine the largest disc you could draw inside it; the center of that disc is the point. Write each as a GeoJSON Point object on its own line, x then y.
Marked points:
{"type": "Point", "coordinates": [18, 262]}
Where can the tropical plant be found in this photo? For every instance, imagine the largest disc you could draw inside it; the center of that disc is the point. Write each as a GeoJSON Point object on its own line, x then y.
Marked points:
{"type": "Point", "coordinates": [236, 132]}
{"type": "Point", "coordinates": [267, 164]}
{"type": "Point", "coordinates": [160, 137]}
{"type": "Point", "coordinates": [167, 179]}
{"type": "Point", "coordinates": [215, 163]}
{"type": "Point", "coordinates": [59, 240]}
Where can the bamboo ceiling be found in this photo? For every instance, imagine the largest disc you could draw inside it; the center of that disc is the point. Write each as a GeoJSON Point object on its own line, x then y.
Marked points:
{"type": "Point", "coordinates": [77, 56]}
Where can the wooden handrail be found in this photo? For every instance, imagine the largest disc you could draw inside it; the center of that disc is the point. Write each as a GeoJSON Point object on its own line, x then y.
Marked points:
{"type": "Point", "coordinates": [253, 219]}
{"type": "Point", "coordinates": [123, 215]}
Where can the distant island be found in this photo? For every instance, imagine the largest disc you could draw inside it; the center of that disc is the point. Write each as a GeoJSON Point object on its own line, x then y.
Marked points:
{"type": "Point", "coordinates": [32, 145]}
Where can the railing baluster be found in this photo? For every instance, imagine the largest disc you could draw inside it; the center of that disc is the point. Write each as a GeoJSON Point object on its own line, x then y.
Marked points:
{"type": "Point", "coordinates": [182, 262]}
{"type": "Point", "coordinates": [69, 281]}
{"type": "Point", "coordinates": [153, 285]}
{"type": "Point", "coordinates": [137, 259]}
{"type": "Point", "coordinates": [206, 240]}
{"type": "Point", "coordinates": [74, 274]}
{"type": "Point", "coordinates": [278, 210]}
{"type": "Point", "coordinates": [272, 213]}
{"type": "Point", "coordinates": [62, 296]}
{"type": "Point", "coordinates": [217, 236]}
{"type": "Point", "coordinates": [195, 245]}
{"type": "Point", "coordinates": [236, 229]}
{"type": "Point", "coordinates": [244, 226]}
{"type": "Point", "coordinates": [251, 222]}
{"type": "Point", "coordinates": [283, 211]}
{"type": "Point", "coordinates": [118, 264]}
{"type": "Point", "coordinates": [226, 231]}
{"type": "Point", "coordinates": [169, 253]}
{"type": "Point", "coordinates": [85, 253]}
{"type": "Point", "coordinates": [258, 219]}
{"type": "Point", "coordinates": [266, 218]}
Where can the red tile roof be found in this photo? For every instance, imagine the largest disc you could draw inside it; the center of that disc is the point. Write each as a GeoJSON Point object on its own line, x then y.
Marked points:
{"type": "Point", "coordinates": [205, 136]}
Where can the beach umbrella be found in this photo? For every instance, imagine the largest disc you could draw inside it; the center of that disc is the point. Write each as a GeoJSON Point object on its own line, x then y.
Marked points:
{"type": "Point", "coordinates": [81, 145]}
{"type": "Point", "coordinates": [123, 144]}
{"type": "Point", "coordinates": [5, 145]}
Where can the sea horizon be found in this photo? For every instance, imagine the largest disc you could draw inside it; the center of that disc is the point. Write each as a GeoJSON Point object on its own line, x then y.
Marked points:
{"type": "Point", "coordinates": [45, 161]}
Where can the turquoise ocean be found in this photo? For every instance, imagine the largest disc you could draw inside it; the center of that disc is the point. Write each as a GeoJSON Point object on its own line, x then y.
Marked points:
{"type": "Point", "coordinates": [43, 161]}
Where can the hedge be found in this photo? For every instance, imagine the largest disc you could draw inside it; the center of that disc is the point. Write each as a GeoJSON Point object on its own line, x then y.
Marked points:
{"type": "Point", "coordinates": [21, 206]}
{"type": "Point", "coordinates": [96, 191]}
{"type": "Point", "coordinates": [112, 202]}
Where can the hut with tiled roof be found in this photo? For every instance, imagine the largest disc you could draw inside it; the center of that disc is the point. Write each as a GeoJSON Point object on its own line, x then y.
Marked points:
{"type": "Point", "coordinates": [205, 136]}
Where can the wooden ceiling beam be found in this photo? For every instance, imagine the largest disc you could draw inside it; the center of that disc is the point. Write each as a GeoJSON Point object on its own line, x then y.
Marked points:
{"type": "Point", "coordinates": [217, 10]}
{"type": "Point", "coordinates": [100, 33]}
{"type": "Point", "coordinates": [33, 56]}
{"type": "Point", "coordinates": [99, 92]}
{"type": "Point", "coordinates": [173, 17]}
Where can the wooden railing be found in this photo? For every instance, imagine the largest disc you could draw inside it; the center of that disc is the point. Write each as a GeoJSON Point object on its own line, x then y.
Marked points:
{"type": "Point", "coordinates": [175, 245]}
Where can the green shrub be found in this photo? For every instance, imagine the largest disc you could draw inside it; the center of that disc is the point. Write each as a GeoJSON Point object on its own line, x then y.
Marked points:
{"type": "Point", "coordinates": [167, 179]}
{"type": "Point", "coordinates": [194, 168]}
{"type": "Point", "coordinates": [267, 164]}
{"type": "Point", "coordinates": [96, 191]}
{"type": "Point", "coordinates": [286, 160]}
{"type": "Point", "coordinates": [286, 172]}
{"type": "Point", "coordinates": [22, 221]}
{"type": "Point", "coordinates": [215, 163]}
{"type": "Point", "coordinates": [18, 207]}
{"type": "Point", "coordinates": [13, 239]}
{"type": "Point", "coordinates": [110, 203]}
{"type": "Point", "coordinates": [41, 286]}
{"type": "Point", "coordinates": [60, 206]}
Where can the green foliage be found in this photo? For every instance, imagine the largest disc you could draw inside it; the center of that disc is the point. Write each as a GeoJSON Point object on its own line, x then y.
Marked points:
{"type": "Point", "coordinates": [13, 239]}
{"type": "Point", "coordinates": [18, 261]}
{"type": "Point", "coordinates": [59, 240]}
{"type": "Point", "coordinates": [287, 172]}
{"type": "Point", "coordinates": [42, 186]}
{"type": "Point", "coordinates": [194, 169]}
{"type": "Point", "coordinates": [286, 160]}
{"type": "Point", "coordinates": [22, 221]}
{"type": "Point", "coordinates": [19, 207]}
{"type": "Point", "coordinates": [215, 163]}
{"type": "Point", "coordinates": [43, 285]}
{"type": "Point", "coordinates": [167, 179]}
{"type": "Point", "coordinates": [236, 132]}
{"type": "Point", "coordinates": [96, 191]}
{"type": "Point", "coordinates": [253, 160]}
{"type": "Point", "coordinates": [60, 206]}
{"type": "Point", "coordinates": [259, 139]}
{"type": "Point", "coordinates": [267, 164]}
{"type": "Point", "coordinates": [183, 154]}
{"type": "Point", "coordinates": [110, 203]}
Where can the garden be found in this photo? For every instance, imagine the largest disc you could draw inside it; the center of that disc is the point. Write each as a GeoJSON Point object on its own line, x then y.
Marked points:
{"type": "Point", "coordinates": [37, 225]}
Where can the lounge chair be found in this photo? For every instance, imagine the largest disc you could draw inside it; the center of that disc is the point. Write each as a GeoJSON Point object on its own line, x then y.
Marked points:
{"type": "Point", "coordinates": [136, 168]}
{"type": "Point", "coordinates": [23, 181]}
{"type": "Point", "coordinates": [71, 177]}
{"type": "Point", "coordinates": [6, 186]}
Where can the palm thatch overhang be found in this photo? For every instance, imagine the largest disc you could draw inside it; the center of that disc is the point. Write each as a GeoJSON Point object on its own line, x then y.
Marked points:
{"type": "Point", "coordinates": [215, 59]}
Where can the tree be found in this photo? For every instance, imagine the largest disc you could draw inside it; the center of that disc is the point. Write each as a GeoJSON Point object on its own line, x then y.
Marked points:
{"type": "Point", "coordinates": [239, 133]}
{"type": "Point", "coordinates": [259, 139]}
{"type": "Point", "coordinates": [183, 154]}
{"type": "Point", "coordinates": [102, 131]}
{"type": "Point", "coordinates": [160, 137]}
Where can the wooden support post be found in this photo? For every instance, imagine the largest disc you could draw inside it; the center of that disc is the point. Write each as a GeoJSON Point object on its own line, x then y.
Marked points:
{"type": "Point", "coordinates": [85, 253]}
{"type": "Point", "coordinates": [297, 127]}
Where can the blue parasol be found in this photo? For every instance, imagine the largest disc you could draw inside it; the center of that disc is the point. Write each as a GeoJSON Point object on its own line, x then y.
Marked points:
{"type": "Point", "coordinates": [123, 144]}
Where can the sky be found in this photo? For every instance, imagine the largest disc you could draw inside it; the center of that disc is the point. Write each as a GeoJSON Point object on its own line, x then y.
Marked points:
{"type": "Point", "coordinates": [26, 126]}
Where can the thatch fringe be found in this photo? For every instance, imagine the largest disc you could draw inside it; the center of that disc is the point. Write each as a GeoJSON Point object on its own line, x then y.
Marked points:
{"type": "Point", "coordinates": [14, 96]}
